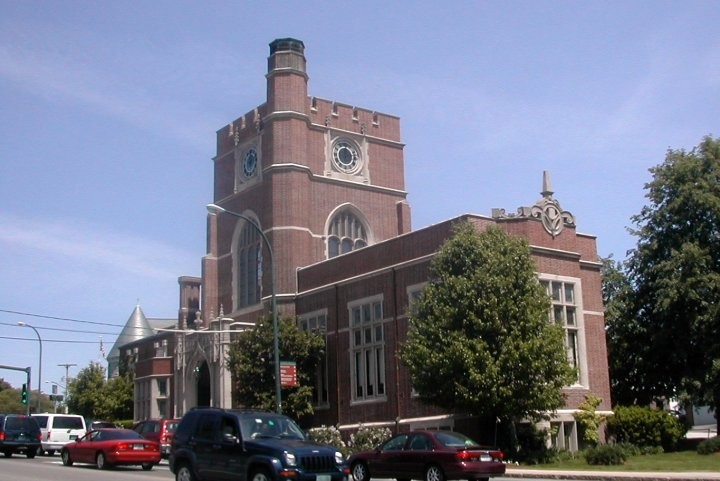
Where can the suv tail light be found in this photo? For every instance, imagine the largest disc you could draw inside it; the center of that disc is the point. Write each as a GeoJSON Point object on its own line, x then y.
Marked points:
{"type": "Point", "coordinates": [2, 435]}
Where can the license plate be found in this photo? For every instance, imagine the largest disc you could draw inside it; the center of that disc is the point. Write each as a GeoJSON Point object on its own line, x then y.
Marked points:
{"type": "Point", "coordinates": [73, 437]}
{"type": "Point", "coordinates": [485, 458]}
{"type": "Point", "coordinates": [138, 447]}
{"type": "Point", "coordinates": [322, 477]}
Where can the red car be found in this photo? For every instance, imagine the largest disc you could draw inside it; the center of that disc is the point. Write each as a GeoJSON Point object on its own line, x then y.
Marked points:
{"type": "Point", "coordinates": [106, 448]}
{"type": "Point", "coordinates": [429, 456]}
{"type": "Point", "coordinates": [160, 430]}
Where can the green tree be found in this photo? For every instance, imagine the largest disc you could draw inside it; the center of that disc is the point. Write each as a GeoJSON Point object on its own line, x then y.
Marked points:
{"type": "Point", "coordinates": [250, 360]}
{"type": "Point", "coordinates": [85, 391]}
{"type": "Point", "coordinates": [626, 348]}
{"type": "Point", "coordinates": [675, 272]}
{"type": "Point", "coordinates": [479, 340]}
{"type": "Point", "coordinates": [118, 399]}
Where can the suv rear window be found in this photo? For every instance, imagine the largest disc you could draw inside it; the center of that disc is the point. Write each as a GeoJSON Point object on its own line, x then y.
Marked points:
{"type": "Point", "coordinates": [21, 422]}
{"type": "Point", "coordinates": [67, 422]}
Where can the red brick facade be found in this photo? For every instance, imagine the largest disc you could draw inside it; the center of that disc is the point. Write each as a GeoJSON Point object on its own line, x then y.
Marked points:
{"type": "Point", "coordinates": [303, 179]}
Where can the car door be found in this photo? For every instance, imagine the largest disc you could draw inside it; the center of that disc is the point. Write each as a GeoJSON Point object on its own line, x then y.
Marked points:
{"type": "Point", "coordinates": [389, 457]}
{"type": "Point", "coordinates": [228, 455]}
{"type": "Point", "coordinates": [207, 444]}
{"type": "Point", "coordinates": [418, 452]}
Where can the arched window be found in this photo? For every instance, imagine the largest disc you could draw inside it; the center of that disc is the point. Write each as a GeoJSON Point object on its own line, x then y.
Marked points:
{"type": "Point", "coordinates": [345, 233]}
{"type": "Point", "coordinates": [247, 266]}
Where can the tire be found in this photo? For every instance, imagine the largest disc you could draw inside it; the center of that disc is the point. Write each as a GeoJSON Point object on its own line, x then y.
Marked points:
{"type": "Point", "coordinates": [101, 461]}
{"type": "Point", "coordinates": [360, 471]}
{"type": "Point", "coordinates": [66, 459]}
{"type": "Point", "coordinates": [147, 466]}
{"type": "Point", "coordinates": [184, 473]}
{"type": "Point", "coordinates": [8, 454]}
{"type": "Point", "coordinates": [260, 474]}
{"type": "Point", "coordinates": [434, 473]}
{"type": "Point", "coordinates": [30, 453]}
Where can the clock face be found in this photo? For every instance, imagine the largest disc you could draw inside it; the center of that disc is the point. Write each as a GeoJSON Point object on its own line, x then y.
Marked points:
{"type": "Point", "coordinates": [345, 156]}
{"type": "Point", "coordinates": [250, 163]}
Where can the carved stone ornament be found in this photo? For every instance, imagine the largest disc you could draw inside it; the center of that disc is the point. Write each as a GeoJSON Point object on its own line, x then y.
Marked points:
{"type": "Point", "coordinates": [547, 210]}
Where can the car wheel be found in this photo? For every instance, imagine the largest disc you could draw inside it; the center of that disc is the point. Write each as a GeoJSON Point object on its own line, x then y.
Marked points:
{"type": "Point", "coordinates": [147, 466]}
{"type": "Point", "coordinates": [434, 473]}
{"type": "Point", "coordinates": [101, 462]}
{"type": "Point", "coordinates": [360, 471]}
{"type": "Point", "coordinates": [184, 473]}
{"type": "Point", "coordinates": [66, 459]}
{"type": "Point", "coordinates": [50, 452]}
{"type": "Point", "coordinates": [260, 474]}
{"type": "Point", "coordinates": [7, 453]}
{"type": "Point", "coordinates": [30, 453]}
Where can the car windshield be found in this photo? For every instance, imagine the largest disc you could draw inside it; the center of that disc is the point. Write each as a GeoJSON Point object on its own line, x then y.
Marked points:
{"type": "Point", "coordinates": [455, 440]}
{"type": "Point", "coordinates": [271, 426]}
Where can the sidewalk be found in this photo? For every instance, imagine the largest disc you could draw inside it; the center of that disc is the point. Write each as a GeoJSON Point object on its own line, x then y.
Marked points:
{"type": "Point", "coordinates": [611, 475]}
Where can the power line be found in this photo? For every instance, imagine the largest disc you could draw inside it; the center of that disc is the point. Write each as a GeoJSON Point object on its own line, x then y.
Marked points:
{"type": "Point", "coordinates": [47, 340]}
{"type": "Point", "coordinates": [62, 330]}
{"type": "Point", "coordinates": [60, 318]}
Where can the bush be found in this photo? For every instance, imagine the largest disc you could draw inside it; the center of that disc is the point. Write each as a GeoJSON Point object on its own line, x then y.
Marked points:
{"type": "Point", "coordinates": [532, 445]}
{"type": "Point", "coordinates": [329, 435]}
{"type": "Point", "coordinates": [709, 446]}
{"type": "Point", "coordinates": [368, 438]}
{"type": "Point", "coordinates": [606, 454]}
{"type": "Point", "coordinates": [643, 426]}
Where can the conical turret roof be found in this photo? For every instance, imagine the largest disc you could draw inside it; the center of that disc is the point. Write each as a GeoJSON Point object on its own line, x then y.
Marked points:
{"type": "Point", "coordinates": [136, 328]}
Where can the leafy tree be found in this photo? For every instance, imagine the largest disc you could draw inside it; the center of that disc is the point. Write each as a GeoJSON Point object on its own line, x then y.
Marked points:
{"type": "Point", "coordinates": [250, 360]}
{"type": "Point", "coordinates": [90, 394]}
{"type": "Point", "coordinates": [625, 334]}
{"type": "Point", "coordinates": [85, 391]}
{"type": "Point", "coordinates": [118, 398]}
{"type": "Point", "coordinates": [479, 339]}
{"type": "Point", "coordinates": [675, 271]}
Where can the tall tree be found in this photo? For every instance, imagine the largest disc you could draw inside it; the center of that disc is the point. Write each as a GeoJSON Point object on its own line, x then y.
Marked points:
{"type": "Point", "coordinates": [675, 270]}
{"type": "Point", "coordinates": [85, 391]}
{"type": "Point", "coordinates": [250, 360]}
{"type": "Point", "coordinates": [479, 339]}
{"type": "Point", "coordinates": [627, 350]}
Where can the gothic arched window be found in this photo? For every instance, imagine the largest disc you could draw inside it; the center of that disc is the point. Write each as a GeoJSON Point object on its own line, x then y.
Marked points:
{"type": "Point", "coordinates": [345, 233]}
{"type": "Point", "coordinates": [247, 266]}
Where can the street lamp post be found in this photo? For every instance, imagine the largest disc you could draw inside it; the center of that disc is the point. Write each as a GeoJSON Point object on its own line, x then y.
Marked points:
{"type": "Point", "coordinates": [216, 209]}
{"type": "Point", "coordinates": [67, 367]}
{"type": "Point", "coordinates": [25, 324]}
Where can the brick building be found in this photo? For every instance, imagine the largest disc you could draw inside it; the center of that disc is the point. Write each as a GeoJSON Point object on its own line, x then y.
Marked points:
{"type": "Point", "coordinates": [324, 181]}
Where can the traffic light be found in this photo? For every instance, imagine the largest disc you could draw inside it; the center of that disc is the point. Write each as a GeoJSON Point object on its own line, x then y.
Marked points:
{"type": "Point", "coordinates": [24, 394]}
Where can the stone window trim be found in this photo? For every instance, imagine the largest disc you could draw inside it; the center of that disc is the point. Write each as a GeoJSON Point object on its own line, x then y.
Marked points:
{"type": "Point", "coordinates": [367, 350]}
{"type": "Point", "coordinates": [572, 322]}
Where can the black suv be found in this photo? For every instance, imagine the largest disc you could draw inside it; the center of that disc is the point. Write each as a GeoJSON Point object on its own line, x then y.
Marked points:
{"type": "Point", "coordinates": [19, 434]}
{"type": "Point", "coordinates": [212, 443]}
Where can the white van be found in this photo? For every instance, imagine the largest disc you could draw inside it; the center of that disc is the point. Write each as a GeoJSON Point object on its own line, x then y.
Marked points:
{"type": "Point", "coordinates": [58, 430]}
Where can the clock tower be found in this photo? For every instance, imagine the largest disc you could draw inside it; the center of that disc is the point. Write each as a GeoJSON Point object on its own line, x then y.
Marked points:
{"type": "Point", "coordinates": [318, 178]}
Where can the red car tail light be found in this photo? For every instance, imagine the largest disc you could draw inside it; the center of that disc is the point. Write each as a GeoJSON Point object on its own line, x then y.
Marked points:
{"type": "Point", "coordinates": [2, 435]}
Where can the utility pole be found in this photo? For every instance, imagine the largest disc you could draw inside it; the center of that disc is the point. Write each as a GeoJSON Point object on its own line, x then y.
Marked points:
{"type": "Point", "coordinates": [67, 381]}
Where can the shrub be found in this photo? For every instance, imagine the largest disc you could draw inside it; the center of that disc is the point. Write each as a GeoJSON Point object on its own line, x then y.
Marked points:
{"type": "Point", "coordinates": [588, 421]}
{"type": "Point", "coordinates": [643, 426]}
{"type": "Point", "coordinates": [368, 438]}
{"type": "Point", "coordinates": [606, 454]}
{"type": "Point", "coordinates": [329, 435]}
{"type": "Point", "coordinates": [532, 445]}
{"type": "Point", "coordinates": [709, 446]}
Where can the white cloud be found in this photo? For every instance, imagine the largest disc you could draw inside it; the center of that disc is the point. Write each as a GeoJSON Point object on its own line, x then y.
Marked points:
{"type": "Point", "coordinates": [90, 245]}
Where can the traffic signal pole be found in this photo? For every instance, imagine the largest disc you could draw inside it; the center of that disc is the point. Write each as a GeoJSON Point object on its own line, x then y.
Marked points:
{"type": "Point", "coordinates": [26, 400]}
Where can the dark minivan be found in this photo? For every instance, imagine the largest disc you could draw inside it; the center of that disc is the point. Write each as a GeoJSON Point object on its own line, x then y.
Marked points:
{"type": "Point", "coordinates": [19, 434]}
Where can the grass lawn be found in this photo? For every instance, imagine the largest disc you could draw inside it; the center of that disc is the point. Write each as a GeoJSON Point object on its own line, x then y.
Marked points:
{"type": "Point", "coordinates": [674, 461]}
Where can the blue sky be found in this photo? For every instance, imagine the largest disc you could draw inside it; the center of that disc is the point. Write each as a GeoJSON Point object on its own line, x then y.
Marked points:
{"type": "Point", "coordinates": [108, 113]}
